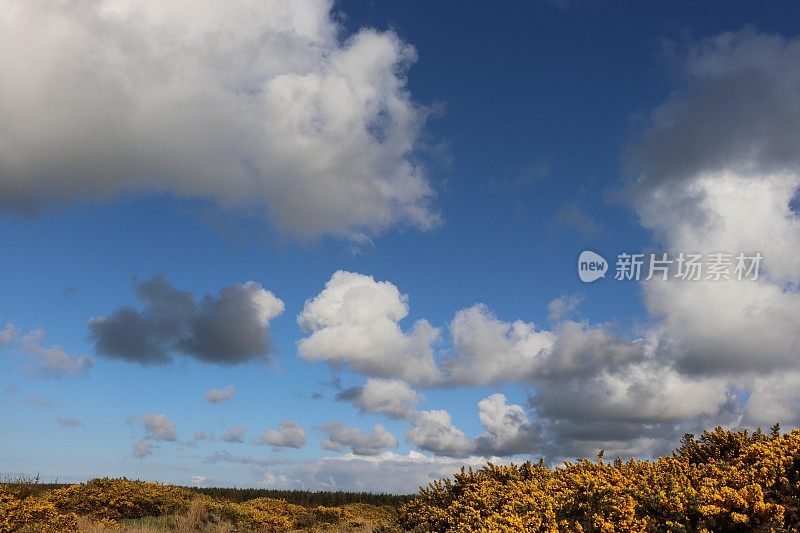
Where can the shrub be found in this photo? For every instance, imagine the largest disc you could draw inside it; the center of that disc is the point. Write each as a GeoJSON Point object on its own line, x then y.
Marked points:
{"type": "Point", "coordinates": [725, 481]}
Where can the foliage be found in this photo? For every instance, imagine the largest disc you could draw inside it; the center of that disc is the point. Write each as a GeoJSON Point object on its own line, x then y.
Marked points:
{"type": "Point", "coordinates": [106, 504]}
{"type": "Point", "coordinates": [724, 481]}
{"type": "Point", "coordinates": [19, 512]}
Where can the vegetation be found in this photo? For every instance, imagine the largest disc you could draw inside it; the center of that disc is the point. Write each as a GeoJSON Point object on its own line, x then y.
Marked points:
{"type": "Point", "coordinates": [723, 481]}
{"type": "Point", "coordinates": [728, 481]}
{"type": "Point", "coordinates": [125, 505]}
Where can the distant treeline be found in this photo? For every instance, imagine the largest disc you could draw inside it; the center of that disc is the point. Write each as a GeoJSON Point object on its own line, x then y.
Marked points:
{"type": "Point", "coordinates": [303, 497]}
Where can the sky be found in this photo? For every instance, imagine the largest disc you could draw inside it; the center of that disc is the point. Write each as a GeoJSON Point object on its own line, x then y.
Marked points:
{"type": "Point", "coordinates": [335, 245]}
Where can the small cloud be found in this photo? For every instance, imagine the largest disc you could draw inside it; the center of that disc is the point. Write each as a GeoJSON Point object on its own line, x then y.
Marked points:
{"type": "Point", "coordinates": [142, 449]}
{"type": "Point", "coordinates": [235, 434]}
{"type": "Point", "coordinates": [221, 395]}
{"type": "Point", "coordinates": [11, 390]}
{"type": "Point", "coordinates": [340, 436]}
{"type": "Point", "coordinates": [53, 362]}
{"type": "Point", "coordinates": [158, 427]}
{"type": "Point", "coordinates": [69, 422]}
{"type": "Point", "coordinates": [198, 481]}
{"type": "Point", "coordinates": [391, 397]}
{"type": "Point", "coordinates": [290, 435]}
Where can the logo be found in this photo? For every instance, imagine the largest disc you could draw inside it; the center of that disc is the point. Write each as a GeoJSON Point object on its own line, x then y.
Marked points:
{"type": "Point", "coordinates": [591, 266]}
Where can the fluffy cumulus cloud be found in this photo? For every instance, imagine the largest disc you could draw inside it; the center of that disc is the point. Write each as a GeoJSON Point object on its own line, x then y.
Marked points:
{"type": "Point", "coordinates": [224, 394]}
{"type": "Point", "coordinates": [391, 397]}
{"type": "Point", "coordinates": [508, 430]}
{"type": "Point", "coordinates": [289, 435]}
{"type": "Point", "coordinates": [434, 431]}
{"type": "Point", "coordinates": [488, 350]}
{"type": "Point", "coordinates": [718, 172]}
{"type": "Point", "coordinates": [228, 328]}
{"type": "Point", "coordinates": [340, 437]}
{"type": "Point", "coordinates": [355, 321]}
{"type": "Point", "coordinates": [158, 427]}
{"type": "Point", "coordinates": [260, 105]}
{"type": "Point", "coordinates": [52, 361]}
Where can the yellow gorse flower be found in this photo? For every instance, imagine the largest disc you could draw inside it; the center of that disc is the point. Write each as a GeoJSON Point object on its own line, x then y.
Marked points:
{"type": "Point", "coordinates": [725, 481]}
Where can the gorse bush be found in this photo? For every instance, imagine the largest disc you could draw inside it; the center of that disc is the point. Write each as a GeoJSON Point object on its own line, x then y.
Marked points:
{"type": "Point", "coordinates": [18, 512]}
{"type": "Point", "coordinates": [724, 481]}
{"type": "Point", "coordinates": [108, 504]}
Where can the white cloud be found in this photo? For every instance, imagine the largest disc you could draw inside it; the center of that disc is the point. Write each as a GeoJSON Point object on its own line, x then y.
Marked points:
{"type": "Point", "coordinates": [488, 350]}
{"type": "Point", "coordinates": [355, 321]}
{"type": "Point", "coordinates": [717, 173]}
{"type": "Point", "coordinates": [52, 361]}
{"type": "Point", "coordinates": [508, 430]}
{"type": "Point", "coordinates": [252, 104]}
{"type": "Point", "coordinates": [434, 431]}
{"type": "Point", "coordinates": [224, 394]}
{"type": "Point", "coordinates": [340, 436]}
{"type": "Point", "coordinates": [391, 397]}
{"type": "Point", "coordinates": [142, 449]}
{"type": "Point", "coordinates": [774, 398]}
{"type": "Point", "coordinates": [755, 325]}
{"type": "Point", "coordinates": [290, 435]}
{"type": "Point", "coordinates": [158, 427]}
{"type": "Point", "coordinates": [234, 434]}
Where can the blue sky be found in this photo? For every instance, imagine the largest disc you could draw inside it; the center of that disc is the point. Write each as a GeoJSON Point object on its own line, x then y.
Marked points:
{"type": "Point", "coordinates": [460, 153]}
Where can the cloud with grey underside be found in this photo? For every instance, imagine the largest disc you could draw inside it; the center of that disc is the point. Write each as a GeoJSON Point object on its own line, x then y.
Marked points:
{"type": "Point", "coordinates": [228, 328]}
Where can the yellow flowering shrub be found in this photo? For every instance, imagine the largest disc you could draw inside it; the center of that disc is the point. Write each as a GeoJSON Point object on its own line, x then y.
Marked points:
{"type": "Point", "coordinates": [37, 515]}
{"type": "Point", "coordinates": [114, 499]}
{"type": "Point", "coordinates": [110, 504]}
{"type": "Point", "coordinates": [725, 481]}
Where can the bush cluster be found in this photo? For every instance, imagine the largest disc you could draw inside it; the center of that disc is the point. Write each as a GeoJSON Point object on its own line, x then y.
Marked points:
{"type": "Point", "coordinates": [731, 481]}
{"type": "Point", "coordinates": [108, 503]}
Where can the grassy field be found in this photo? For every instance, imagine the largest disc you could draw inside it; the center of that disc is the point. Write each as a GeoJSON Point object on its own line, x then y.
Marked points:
{"type": "Point", "coordinates": [727, 481]}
